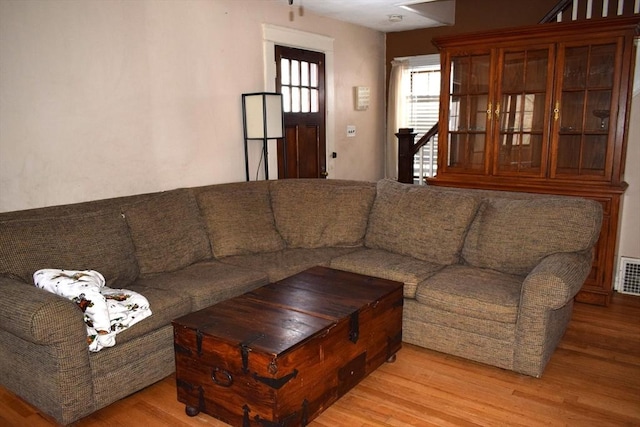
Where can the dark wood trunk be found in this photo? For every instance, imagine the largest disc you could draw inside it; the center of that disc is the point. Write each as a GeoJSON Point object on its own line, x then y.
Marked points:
{"type": "Point", "coordinates": [281, 354]}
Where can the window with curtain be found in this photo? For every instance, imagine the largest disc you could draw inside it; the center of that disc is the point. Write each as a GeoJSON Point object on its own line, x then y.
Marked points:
{"type": "Point", "coordinates": [422, 109]}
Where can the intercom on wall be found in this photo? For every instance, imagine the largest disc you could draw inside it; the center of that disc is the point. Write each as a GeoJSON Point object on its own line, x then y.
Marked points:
{"type": "Point", "coordinates": [361, 95]}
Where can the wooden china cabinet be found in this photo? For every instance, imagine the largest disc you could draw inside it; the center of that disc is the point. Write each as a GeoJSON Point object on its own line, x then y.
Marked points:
{"type": "Point", "coordinates": [542, 109]}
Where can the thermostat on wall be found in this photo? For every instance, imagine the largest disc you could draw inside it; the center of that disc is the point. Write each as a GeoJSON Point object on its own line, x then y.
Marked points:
{"type": "Point", "coordinates": [362, 95]}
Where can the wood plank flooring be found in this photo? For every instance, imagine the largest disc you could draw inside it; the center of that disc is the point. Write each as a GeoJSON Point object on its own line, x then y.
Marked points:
{"type": "Point", "coordinates": [593, 379]}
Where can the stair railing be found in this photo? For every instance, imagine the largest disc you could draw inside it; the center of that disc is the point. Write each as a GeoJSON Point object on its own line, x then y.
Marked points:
{"type": "Point", "coordinates": [584, 9]}
{"type": "Point", "coordinates": [407, 149]}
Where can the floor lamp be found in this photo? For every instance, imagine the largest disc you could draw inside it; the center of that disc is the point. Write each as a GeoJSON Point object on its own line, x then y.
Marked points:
{"type": "Point", "coordinates": [263, 119]}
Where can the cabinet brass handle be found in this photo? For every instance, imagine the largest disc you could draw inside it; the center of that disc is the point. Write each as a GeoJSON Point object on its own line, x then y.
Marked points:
{"type": "Point", "coordinates": [498, 110]}
{"type": "Point", "coordinates": [556, 111]}
{"type": "Point", "coordinates": [489, 110]}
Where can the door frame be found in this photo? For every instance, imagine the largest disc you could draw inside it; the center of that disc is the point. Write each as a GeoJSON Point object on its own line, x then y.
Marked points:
{"type": "Point", "coordinates": [273, 35]}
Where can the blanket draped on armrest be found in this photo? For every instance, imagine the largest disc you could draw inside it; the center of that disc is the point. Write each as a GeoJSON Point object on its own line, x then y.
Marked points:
{"type": "Point", "coordinates": [106, 311]}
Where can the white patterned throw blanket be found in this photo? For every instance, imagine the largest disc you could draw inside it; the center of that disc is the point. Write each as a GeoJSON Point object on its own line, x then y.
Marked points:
{"type": "Point", "coordinates": [106, 311]}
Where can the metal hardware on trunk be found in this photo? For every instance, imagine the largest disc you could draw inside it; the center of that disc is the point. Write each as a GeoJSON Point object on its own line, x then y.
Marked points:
{"type": "Point", "coordinates": [246, 422]}
{"type": "Point", "coordinates": [201, 398]}
{"type": "Point", "coordinates": [199, 342]}
{"type": "Point", "coordinates": [276, 383]}
{"type": "Point", "coordinates": [245, 349]}
{"type": "Point", "coordinates": [354, 327]}
{"type": "Point", "coordinates": [244, 353]}
{"type": "Point", "coordinates": [222, 377]}
{"type": "Point", "coordinates": [304, 420]}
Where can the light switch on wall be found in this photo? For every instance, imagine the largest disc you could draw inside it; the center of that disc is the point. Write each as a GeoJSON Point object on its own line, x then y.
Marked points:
{"type": "Point", "coordinates": [351, 131]}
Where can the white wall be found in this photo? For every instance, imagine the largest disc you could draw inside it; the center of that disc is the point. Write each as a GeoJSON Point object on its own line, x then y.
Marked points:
{"type": "Point", "coordinates": [107, 98]}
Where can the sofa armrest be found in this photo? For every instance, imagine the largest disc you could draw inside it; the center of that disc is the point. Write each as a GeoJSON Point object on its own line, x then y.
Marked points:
{"type": "Point", "coordinates": [546, 304]}
{"type": "Point", "coordinates": [38, 316]}
{"type": "Point", "coordinates": [556, 280]}
{"type": "Point", "coordinates": [44, 356]}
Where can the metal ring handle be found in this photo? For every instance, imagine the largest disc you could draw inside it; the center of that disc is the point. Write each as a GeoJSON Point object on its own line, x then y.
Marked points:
{"type": "Point", "coordinates": [222, 377]}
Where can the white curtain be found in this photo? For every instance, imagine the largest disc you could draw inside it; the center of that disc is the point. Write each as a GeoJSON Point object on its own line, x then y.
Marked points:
{"type": "Point", "coordinates": [398, 90]}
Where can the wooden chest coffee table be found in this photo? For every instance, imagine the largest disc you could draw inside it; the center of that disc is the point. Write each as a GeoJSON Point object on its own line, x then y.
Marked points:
{"type": "Point", "coordinates": [281, 354]}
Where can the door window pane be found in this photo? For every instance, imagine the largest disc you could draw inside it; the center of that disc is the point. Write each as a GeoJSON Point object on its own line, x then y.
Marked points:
{"type": "Point", "coordinates": [285, 71]}
{"type": "Point", "coordinates": [286, 99]}
{"type": "Point", "coordinates": [295, 73]}
{"type": "Point", "coordinates": [295, 100]}
{"type": "Point", "coordinates": [305, 100]}
{"type": "Point", "coordinates": [314, 75]}
{"type": "Point", "coordinates": [304, 73]}
{"type": "Point", "coordinates": [315, 106]}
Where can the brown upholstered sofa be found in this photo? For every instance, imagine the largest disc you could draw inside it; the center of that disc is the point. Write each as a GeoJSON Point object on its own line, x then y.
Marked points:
{"type": "Point", "coordinates": [488, 276]}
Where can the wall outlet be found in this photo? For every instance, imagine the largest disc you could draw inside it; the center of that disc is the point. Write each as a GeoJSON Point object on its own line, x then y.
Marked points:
{"type": "Point", "coordinates": [351, 131]}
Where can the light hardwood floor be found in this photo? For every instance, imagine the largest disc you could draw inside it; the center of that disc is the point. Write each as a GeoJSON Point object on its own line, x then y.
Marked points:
{"type": "Point", "coordinates": [593, 379]}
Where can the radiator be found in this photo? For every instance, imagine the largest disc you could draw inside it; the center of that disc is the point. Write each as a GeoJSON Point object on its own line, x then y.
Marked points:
{"type": "Point", "coordinates": [629, 276]}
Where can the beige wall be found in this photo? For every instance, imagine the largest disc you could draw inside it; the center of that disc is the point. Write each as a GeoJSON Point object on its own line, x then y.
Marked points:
{"type": "Point", "coordinates": [108, 98]}
{"type": "Point", "coordinates": [629, 239]}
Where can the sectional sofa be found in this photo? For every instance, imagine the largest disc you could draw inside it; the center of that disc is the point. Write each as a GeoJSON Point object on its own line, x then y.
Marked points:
{"type": "Point", "coordinates": [488, 276]}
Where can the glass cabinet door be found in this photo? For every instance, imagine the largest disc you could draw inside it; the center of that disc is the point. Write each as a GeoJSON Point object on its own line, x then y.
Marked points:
{"type": "Point", "coordinates": [524, 94]}
{"type": "Point", "coordinates": [468, 106]}
{"type": "Point", "coordinates": [583, 111]}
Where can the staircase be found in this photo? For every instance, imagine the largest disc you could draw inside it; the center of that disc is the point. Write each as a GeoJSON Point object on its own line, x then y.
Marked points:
{"type": "Point", "coordinates": [564, 11]}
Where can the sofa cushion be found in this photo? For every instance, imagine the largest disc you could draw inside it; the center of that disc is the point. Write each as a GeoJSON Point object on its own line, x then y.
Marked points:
{"type": "Point", "coordinates": [93, 241]}
{"type": "Point", "coordinates": [165, 304]}
{"type": "Point", "coordinates": [473, 292]}
{"type": "Point", "coordinates": [282, 264]}
{"type": "Point", "coordinates": [207, 282]}
{"type": "Point", "coordinates": [167, 231]}
{"type": "Point", "coordinates": [239, 219]}
{"type": "Point", "coordinates": [419, 221]}
{"type": "Point", "coordinates": [387, 265]}
{"type": "Point", "coordinates": [313, 214]}
{"type": "Point", "coordinates": [513, 235]}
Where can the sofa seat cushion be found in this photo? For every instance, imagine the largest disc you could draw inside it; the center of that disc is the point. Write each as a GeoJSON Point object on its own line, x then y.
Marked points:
{"type": "Point", "coordinates": [473, 292]}
{"type": "Point", "coordinates": [92, 241]}
{"type": "Point", "coordinates": [165, 304]}
{"type": "Point", "coordinates": [513, 236]}
{"type": "Point", "coordinates": [423, 222]}
{"type": "Point", "coordinates": [387, 265]}
{"type": "Point", "coordinates": [424, 314]}
{"type": "Point", "coordinates": [450, 333]}
{"type": "Point", "coordinates": [167, 231]}
{"type": "Point", "coordinates": [282, 264]}
{"type": "Point", "coordinates": [320, 213]}
{"type": "Point", "coordinates": [239, 219]}
{"type": "Point", "coordinates": [207, 282]}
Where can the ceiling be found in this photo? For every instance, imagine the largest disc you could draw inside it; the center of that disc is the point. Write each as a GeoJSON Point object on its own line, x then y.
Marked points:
{"type": "Point", "coordinates": [381, 15]}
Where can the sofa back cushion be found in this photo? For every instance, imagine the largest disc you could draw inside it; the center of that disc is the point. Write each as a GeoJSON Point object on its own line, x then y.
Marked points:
{"type": "Point", "coordinates": [513, 235]}
{"type": "Point", "coordinates": [167, 231]}
{"type": "Point", "coordinates": [92, 241]}
{"type": "Point", "coordinates": [239, 218]}
{"type": "Point", "coordinates": [427, 223]}
{"type": "Point", "coordinates": [321, 213]}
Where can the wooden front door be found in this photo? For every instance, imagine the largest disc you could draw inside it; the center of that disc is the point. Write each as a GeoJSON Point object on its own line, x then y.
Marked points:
{"type": "Point", "coordinates": [300, 79]}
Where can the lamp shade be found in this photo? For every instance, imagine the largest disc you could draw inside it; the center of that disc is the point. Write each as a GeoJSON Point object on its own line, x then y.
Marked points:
{"type": "Point", "coordinates": [263, 117]}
